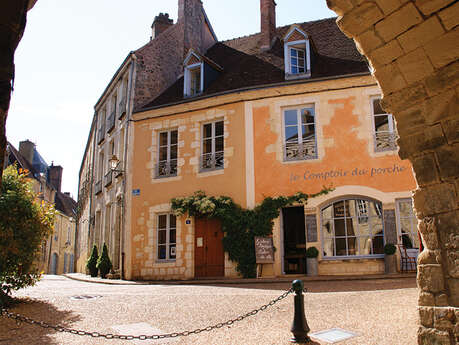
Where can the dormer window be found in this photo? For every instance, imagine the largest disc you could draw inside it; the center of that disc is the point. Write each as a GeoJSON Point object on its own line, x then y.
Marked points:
{"type": "Point", "coordinates": [193, 76]}
{"type": "Point", "coordinates": [297, 54]}
{"type": "Point", "coordinates": [199, 73]}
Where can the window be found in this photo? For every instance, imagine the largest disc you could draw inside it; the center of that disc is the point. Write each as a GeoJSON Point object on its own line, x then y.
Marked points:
{"type": "Point", "coordinates": [407, 224]}
{"type": "Point", "coordinates": [297, 54]}
{"type": "Point", "coordinates": [384, 128]}
{"type": "Point", "coordinates": [193, 80]}
{"type": "Point", "coordinates": [300, 134]}
{"type": "Point", "coordinates": [212, 146]}
{"type": "Point", "coordinates": [352, 227]}
{"type": "Point", "coordinates": [297, 60]}
{"type": "Point", "coordinates": [168, 151]}
{"type": "Point", "coordinates": [166, 236]}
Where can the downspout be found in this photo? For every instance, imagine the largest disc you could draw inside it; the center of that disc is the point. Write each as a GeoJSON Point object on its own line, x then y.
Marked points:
{"type": "Point", "coordinates": [129, 101]}
{"type": "Point", "coordinates": [92, 180]}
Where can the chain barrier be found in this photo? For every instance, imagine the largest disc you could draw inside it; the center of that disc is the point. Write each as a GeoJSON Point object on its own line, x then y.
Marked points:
{"type": "Point", "coordinates": [20, 318]}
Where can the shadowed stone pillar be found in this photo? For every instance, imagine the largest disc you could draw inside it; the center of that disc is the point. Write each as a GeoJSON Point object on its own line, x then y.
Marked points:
{"type": "Point", "coordinates": [413, 50]}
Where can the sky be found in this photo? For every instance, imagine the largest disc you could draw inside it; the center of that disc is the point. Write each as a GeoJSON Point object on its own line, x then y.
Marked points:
{"type": "Point", "coordinates": [71, 49]}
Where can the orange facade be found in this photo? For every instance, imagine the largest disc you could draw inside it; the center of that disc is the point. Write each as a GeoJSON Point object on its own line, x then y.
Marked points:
{"type": "Point", "coordinates": [256, 165]}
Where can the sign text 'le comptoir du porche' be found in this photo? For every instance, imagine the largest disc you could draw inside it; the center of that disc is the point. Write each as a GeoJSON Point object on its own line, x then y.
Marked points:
{"type": "Point", "coordinates": [338, 173]}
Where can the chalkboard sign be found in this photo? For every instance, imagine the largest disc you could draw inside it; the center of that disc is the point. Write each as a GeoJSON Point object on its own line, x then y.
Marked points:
{"type": "Point", "coordinates": [311, 227]}
{"type": "Point", "coordinates": [264, 251]}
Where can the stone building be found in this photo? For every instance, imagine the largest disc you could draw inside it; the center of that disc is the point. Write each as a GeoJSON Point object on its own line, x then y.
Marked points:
{"type": "Point", "coordinates": [142, 76]}
{"type": "Point", "coordinates": [58, 252]}
{"type": "Point", "coordinates": [222, 117]}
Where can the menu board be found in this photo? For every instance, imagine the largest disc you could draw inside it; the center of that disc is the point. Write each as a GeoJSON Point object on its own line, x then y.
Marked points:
{"type": "Point", "coordinates": [311, 227]}
{"type": "Point", "coordinates": [264, 250]}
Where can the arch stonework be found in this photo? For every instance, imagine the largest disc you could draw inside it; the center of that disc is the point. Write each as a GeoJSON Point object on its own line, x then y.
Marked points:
{"type": "Point", "coordinates": [412, 46]}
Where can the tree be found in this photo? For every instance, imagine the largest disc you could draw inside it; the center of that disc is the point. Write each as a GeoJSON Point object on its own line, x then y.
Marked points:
{"type": "Point", "coordinates": [91, 264]}
{"type": "Point", "coordinates": [25, 222]}
{"type": "Point", "coordinates": [103, 263]}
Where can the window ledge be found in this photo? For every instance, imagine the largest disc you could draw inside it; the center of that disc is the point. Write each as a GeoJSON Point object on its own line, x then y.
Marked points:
{"type": "Point", "coordinates": [159, 261]}
{"type": "Point", "coordinates": [347, 258]}
{"type": "Point", "coordinates": [289, 76]}
{"type": "Point", "coordinates": [211, 172]}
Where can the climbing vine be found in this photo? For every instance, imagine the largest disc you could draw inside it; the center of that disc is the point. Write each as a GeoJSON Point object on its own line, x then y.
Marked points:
{"type": "Point", "coordinates": [239, 225]}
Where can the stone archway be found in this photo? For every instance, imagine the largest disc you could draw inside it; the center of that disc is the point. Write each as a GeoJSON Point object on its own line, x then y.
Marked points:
{"type": "Point", "coordinates": [412, 46]}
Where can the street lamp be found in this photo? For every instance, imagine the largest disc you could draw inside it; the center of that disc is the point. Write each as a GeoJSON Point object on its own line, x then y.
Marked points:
{"type": "Point", "coordinates": [114, 162]}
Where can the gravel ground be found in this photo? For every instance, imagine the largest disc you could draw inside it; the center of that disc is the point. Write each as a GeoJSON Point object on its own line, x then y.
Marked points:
{"type": "Point", "coordinates": [382, 312]}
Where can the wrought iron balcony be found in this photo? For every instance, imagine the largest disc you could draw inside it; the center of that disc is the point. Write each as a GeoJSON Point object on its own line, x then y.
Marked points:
{"type": "Point", "coordinates": [166, 168]}
{"type": "Point", "coordinates": [212, 161]}
{"type": "Point", "coordinates": [303, 151]}
{"type": "Point", "coordinates": [108, 178]}
{"type": "Point", "coordinates": [122, 108]}
{"type": "Point", "coordinates": [385, 141]}
{"type": "Point", "coordinates": [98, 187]}
{"type": "Point", "coordinates": [111, 121]}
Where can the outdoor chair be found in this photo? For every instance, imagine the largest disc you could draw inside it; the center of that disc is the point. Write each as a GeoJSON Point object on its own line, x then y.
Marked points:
{"type": "Point", "coordinates": [408, 263]}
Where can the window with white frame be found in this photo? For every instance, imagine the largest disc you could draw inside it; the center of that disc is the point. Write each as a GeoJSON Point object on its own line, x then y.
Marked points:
{"type": "Point", "coordinates": [384, 132]}
{"type": "Point", "coordinates": [193, 80]}
{"type": "Point", "coordinates": [167, 230]}
{"type": "Point", "coordinates": [167, 154]}
{"type": "Point", "coordinates": [212, 146]}
{"type": "Point", "coordinates": [407, 224]}
{"type": "Point", "coordinates": [297, 54]}
{"type": "Point", "coordinates": [300, 133]}
{"type": "Point", "coordinates": [352, 227]}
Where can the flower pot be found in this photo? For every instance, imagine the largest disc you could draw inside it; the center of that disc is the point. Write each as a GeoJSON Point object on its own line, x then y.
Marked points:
{"type": "Point", "coordinates": [312, 266]}
{"type": "Point", "coordinates": [390, 264]}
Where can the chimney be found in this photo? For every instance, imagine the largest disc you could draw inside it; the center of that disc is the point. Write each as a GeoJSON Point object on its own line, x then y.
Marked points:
{"type": "Point", "coordinates": [191, 17]}
{"type": "Point", "coordinates": [160, 24]}
{"type": "Point", "coordinates": [27, 149]}
{"type": "Point", "coordinates": [55, 176]}
{"type": "Point", "coordinates": [268, 23]}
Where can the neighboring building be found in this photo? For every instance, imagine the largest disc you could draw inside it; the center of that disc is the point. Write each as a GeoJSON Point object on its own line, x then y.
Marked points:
{"type": "Point", "coordinates": [58, 252]}
{"type": "Point", "coordinates": [143, 75]}
{"type": "Point", "coordinates": [289, 109]}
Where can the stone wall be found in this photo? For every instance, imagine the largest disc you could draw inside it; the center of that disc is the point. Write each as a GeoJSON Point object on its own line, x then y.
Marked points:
{"type": "Point", "coordinates": [412, 46]}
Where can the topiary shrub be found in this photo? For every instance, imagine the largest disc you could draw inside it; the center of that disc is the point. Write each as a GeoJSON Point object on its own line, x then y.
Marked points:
{"type": "Point", "coordinates": [389, 249]}
{"type": "Point", "coordinates": [312, 252]}
{"type": "Point", "coordinates": [91, 264]}
{"type": "Point", "coordinates": [103, 263]}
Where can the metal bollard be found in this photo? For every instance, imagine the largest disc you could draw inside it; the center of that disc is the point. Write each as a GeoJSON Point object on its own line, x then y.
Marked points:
{"type": "Point", "coordinates": [300, 327]}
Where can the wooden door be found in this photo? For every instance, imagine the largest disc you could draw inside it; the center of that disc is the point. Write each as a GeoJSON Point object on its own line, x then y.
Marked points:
{"type": "Point", "coordinates": [209, 255]}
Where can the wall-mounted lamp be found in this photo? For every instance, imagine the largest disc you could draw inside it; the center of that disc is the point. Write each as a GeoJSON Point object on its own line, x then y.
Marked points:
{"type": "Point", "coordinates": [114, 162]}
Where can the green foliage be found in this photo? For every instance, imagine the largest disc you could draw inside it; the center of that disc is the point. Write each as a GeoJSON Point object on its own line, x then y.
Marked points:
{"type": "Point", "coordinates": [239, 225]}
{"type": "Point", "coordinates": [25, 222]}
{"type": "Point", "coordinates": [91, 264]}
{"type": "Point", "coordinates": [389, 249]}
{"type": "Point", "coordinates": [103, 263]}
{"type": "Point", "coordinates": [312, 252]}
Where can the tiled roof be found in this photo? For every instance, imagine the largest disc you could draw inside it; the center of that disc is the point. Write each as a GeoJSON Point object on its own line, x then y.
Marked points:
{"type": "Point", "coordinates": [65, 204]}
{"type": "Point", "coordinates": [245, 65]}
{"type": "Point", "coordinates": [22, 162]}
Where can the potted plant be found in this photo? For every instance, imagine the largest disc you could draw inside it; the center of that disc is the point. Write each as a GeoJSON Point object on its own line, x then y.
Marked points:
{"type": "Point", "coordinates": [311, 261]}
{"type": "Point", "coordinates": [91, 264]}
{"type": "Point", "coordinates": [103, 263]}
{"type": "Point", "coordinates": [390, 259]}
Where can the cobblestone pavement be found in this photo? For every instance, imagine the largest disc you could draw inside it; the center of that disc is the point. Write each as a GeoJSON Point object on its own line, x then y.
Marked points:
{"type": "Point", "coordinates": [382, 312]}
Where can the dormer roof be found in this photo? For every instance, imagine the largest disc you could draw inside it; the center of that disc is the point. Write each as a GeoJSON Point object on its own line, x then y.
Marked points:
{"type": "Point", "coordinates": [244, 65]}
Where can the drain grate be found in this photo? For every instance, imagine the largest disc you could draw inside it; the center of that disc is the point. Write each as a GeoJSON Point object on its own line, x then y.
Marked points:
{"type": "Point", "coordinates": [81, 297]}
{"type": "Point", "coordinates": [333, 335]}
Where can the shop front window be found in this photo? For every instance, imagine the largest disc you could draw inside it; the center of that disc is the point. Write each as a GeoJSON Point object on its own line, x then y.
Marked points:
{"type": "Point", "coordinates": [407, 224]}
{"type": "Point", "coordinates": [352, 227]}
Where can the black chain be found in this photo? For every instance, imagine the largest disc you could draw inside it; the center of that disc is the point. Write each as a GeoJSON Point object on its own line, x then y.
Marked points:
{"type": "Point", "coordinates": [20, 318]}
